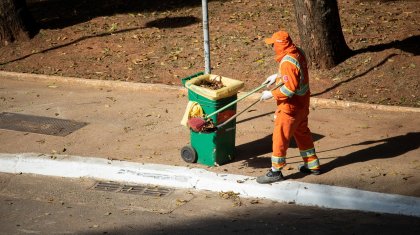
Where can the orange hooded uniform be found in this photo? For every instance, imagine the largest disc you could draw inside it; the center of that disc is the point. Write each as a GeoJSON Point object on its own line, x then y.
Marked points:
{"type": "Point", "coordinates": [292, 103]}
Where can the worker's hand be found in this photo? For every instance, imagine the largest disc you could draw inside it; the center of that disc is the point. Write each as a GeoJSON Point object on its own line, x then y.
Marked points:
{"type": "Point", "coordinates": [271, 79]}
{"type": "Point", "coordinates": [266, 95]}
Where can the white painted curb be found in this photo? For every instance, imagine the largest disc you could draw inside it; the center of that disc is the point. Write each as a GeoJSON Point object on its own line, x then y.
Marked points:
{"type": "Point", "coordinates": [182, 177]}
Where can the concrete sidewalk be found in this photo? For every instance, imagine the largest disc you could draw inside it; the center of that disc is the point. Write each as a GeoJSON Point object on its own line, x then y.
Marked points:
{"type": "Point", "coordinates": [360, 147]}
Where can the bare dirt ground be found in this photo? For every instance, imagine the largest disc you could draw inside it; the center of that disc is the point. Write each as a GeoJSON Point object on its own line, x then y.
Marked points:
{"type": "Point", "coordinates": [160, 41]}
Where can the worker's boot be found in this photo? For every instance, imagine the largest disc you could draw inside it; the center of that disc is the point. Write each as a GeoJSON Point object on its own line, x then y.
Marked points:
{"type": "Point", "coordinates": [270, 177]}
{"type": "Point", "coordinates": [302, 168]}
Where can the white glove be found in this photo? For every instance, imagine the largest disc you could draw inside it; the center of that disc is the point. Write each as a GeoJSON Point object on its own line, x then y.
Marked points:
{"type": "Point", "coordinates": [266, 95]}
{"type": "Point", "coordinates": [271, 79]}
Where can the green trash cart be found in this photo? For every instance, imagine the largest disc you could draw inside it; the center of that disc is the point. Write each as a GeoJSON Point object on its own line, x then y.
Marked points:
{"type": "Point", "coordinates": [217, 147]}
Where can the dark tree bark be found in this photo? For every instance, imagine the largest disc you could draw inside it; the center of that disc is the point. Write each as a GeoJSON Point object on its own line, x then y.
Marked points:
{"type": "Point", "coordinates": [16, 23]}
{"type": "Point", "coordinates": [321, 33]}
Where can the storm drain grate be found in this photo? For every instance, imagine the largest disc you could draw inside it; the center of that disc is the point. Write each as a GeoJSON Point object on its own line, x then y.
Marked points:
{"type": "Point", "coordinates": [132, 189]}
{"type": "Point", "coordinates": [38, 124]}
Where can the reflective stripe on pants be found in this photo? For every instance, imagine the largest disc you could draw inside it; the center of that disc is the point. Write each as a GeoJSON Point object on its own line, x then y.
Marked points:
{"type": "Point", "coordinates": [287, 125]}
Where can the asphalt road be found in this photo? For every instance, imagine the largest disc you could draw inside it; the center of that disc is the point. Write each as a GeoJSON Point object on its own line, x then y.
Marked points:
{"type": "Point", "coordinates": [32, 204]}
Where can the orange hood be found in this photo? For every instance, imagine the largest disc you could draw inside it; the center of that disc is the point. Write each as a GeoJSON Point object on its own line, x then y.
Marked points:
{"type": "Point", "coordinates": [282, 44]}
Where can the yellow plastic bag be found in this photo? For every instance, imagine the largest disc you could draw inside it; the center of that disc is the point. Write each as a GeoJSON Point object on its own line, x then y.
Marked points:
{"type": "Point", "coordinates": [193, 110]}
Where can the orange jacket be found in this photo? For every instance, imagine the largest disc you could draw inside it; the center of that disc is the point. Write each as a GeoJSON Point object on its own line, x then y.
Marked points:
{"type": "Point", "coordinates": [294, 95]}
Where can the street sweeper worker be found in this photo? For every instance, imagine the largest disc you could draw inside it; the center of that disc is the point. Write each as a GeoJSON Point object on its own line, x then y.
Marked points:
{"type": "Point", "coordinates": [291, 116]}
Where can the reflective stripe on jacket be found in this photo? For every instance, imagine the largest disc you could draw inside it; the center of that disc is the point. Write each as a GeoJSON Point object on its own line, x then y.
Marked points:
{"type": "Point", "coordinates": [295, 93]}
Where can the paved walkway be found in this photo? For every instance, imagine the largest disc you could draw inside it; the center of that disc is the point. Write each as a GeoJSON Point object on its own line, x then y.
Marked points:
{"type": "Point", "coordinates": [372, 148]}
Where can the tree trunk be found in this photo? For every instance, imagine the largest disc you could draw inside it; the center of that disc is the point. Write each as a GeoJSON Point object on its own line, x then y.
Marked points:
{"type": "Point", "coordinates": [320, 32]}
{"type": "Point", "coordinates": [16, 23]}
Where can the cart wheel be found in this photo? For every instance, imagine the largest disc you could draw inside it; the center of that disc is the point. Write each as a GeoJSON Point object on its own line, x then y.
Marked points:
{"type": "Point", "coordinates": [188, 154]}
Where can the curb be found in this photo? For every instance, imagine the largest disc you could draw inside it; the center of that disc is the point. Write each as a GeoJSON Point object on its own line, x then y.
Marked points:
{"type": "Point", "coordinates": [134, 86]}
{"type": "Point", "coordinates": [293, 192]}
{"type": "Point", "coordinates": [157, 87]}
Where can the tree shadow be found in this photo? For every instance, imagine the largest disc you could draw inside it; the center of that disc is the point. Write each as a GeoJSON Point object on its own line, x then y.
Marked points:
{"type": "Point", "coordinates": [389, 148]}
{"type": "Point", "coordinates": [73, 42]}
{"type": "Point", "coordinates": [251, 152]}
{"type": "Point", "coordinates": [409, 45]}
{"type": "Point", "coordinates": [58, 14]}
{"type": "Point", "coordinates": [354, 77]}
{"type": "Point", "coordinates": [172, 22]}
{"type": "Point", "coordinates": [76, 11]}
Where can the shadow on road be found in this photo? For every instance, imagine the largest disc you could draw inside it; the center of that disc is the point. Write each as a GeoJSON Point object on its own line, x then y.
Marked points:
{"type": "Point", "coordinates": [274, 220]}
{"type": "Point", "coordinates": [251, 150]}
{"type": "Point", "coordinates": [254, 117]}
{"type": "Point", "coordinates": [386, 148]}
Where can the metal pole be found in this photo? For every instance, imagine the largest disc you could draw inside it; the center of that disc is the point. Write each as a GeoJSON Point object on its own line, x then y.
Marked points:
{"type": "Point", "coordinates": [206, 37]}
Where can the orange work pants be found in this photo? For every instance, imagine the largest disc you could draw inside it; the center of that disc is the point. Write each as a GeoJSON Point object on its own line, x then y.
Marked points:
{"type": "Point", "coordinates": [294, 124]}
